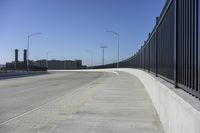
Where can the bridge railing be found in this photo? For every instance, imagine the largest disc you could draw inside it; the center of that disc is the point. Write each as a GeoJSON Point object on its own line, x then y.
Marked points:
{"type": "Point", "coordinates": [172, 50]}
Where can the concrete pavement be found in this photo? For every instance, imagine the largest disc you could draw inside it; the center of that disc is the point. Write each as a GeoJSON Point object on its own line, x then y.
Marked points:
{"type": "Point", "coordinates": [20, 95]}
{"type": "Point", "coordinates": [77, 102]}
{"type": "Point", "coordinates": [122, 106]}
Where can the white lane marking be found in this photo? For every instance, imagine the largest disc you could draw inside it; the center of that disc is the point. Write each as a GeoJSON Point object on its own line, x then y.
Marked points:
{"type": "Point", "coordinates": [87, 70]}
{"type": "Point", "coordinates": [116, 73]}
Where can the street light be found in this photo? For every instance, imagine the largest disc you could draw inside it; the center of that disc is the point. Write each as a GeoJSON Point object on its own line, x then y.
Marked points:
{"type": "Point", "coordinates": [28, 38]}
{"type": "Point", "coordinates": [47, 56]}
{"type": "Point", "coordinates": [117, 34]}
{"type": "Point", "coordinates": [91, 53]}
{"type": "Point", "coordinates": [103, 47]}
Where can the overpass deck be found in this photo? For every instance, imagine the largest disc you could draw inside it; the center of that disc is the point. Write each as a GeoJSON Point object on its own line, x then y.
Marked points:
{"type": "Point", "coordinates": [121, 106]}
{"type": "Point", "coordinates": [77, 102]}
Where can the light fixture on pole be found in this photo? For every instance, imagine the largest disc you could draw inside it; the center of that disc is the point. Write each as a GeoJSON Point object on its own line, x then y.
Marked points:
{"type": "Point", "coordinates": [91, 54]}
{"type": "Point", "coordinates": [103, 47]}
{"type": "Point", "coordinates": [28, 50]}
{"type": "Point", "coordinates": [118, 35]}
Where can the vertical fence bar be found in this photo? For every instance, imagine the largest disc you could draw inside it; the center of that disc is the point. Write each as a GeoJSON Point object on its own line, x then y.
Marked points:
{"type": "Point", "coordinates": [181, 68]}
{"type": "Point", "coordinates": [156, 47]}
{"type": "Point", "coordinates": [175, 45]}
{"type": "Point", "coordinates": [190, 44]}
{"type": "Point", "coordinates": [144, 55]}
{"type": "Point", "coordinates": [198, 43]}
{"type": "Point", "coordinates": [149, 51]}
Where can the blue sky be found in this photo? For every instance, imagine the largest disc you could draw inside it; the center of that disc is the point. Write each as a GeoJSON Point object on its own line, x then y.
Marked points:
{"type": "Point", "coordinates": [71, 27]}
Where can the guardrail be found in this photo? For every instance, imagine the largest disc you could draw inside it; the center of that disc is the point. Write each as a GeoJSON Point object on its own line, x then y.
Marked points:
{"type": "Point", "coordinates": [172, 50]}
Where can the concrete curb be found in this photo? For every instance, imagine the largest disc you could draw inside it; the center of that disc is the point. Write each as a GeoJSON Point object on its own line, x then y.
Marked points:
{"type": "Point", "coordinates": [176, 114]}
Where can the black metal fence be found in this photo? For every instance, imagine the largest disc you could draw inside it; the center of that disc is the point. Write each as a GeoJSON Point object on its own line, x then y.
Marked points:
{"type": "Point", "coordinates": [172, 50]}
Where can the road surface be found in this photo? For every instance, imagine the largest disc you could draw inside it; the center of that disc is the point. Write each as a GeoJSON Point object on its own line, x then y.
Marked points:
{"type": "Point", "coordinates": [20, 95]}
{"type": "Point", "coordinates": [76, 102]}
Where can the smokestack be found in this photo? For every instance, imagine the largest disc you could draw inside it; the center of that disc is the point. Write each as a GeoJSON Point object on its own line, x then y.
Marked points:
{"type": "Point", "coordinates": [25, 56]}
{"type": "Point", "coordinates": [16, 58]}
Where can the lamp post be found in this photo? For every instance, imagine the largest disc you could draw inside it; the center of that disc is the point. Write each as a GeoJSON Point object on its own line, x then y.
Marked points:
{"type": "Point", "coordinates": [47, 57]}
{"type": "Point", "coordinates": [118, 35]}
{"type": "Point", "coordinates": [103, 47]}
{"type": "Point", "coordinates": [91, 54]}
{"type": "Point", "coordinates": [28, 43]}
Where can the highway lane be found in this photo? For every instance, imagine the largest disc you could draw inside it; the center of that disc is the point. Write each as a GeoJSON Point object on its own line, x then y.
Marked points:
{"type": "Point", "coordinates": [92, 101]}
{"type": "Point", "coordinates": [20, 95]}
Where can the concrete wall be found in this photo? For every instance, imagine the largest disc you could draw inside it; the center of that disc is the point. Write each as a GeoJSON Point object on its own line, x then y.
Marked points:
{"type": "Point", "coordinates": [176, 114]}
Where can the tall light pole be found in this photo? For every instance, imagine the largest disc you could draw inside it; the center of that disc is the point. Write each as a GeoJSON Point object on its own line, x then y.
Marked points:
{"type": "Point", "coordinates": [28, 51]}
{"type": "Point", "coordinates": [47, 57]}
{"type": "Point", "coordinates": [91, 54]}
{"type": "Point", "coordinates": [117, 34]}
{"type": "Point", "coordinates": [103, 47]}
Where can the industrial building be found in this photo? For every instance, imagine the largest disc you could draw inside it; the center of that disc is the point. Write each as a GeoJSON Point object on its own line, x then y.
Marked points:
{"type": "Point", "coordinates": [16, 64]}
{"type": "Point", "coordinates": [42, 64]}
{"type": "Point", "coordinates": [60, 64]}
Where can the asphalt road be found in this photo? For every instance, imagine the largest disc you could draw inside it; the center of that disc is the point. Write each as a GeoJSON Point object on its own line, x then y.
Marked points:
{"type": "Point", "coordinates": [20, 95]}
{"type": "Point", "coordinates": [77, 102]}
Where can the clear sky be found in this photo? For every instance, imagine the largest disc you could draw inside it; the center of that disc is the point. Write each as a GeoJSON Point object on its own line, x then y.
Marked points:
{"type": "Point", "coordinates": [71, 27]}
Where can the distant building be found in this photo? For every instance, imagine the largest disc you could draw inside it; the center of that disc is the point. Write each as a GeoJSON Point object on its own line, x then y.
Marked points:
{"type": "Point", "coordinates": [40, 65]}
{"type": "Point", "coordinates": [16, 64]}
{"type": "Point", "coordinates": [60, 64]}
{"type": "Point", "coordinates": [22, 65]}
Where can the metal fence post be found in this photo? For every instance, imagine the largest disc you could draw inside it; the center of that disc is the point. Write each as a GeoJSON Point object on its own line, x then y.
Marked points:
{"type": "Point", "coordinates": [156, 48]}
{"type": "Point", "coordinates": [198, 44]}
{"type": "Point", "coordinates": [175, 44]}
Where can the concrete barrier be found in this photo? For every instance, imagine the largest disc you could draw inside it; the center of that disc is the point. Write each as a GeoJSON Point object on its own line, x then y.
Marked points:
{"type": "Point", "coordinates": [176, 114]}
